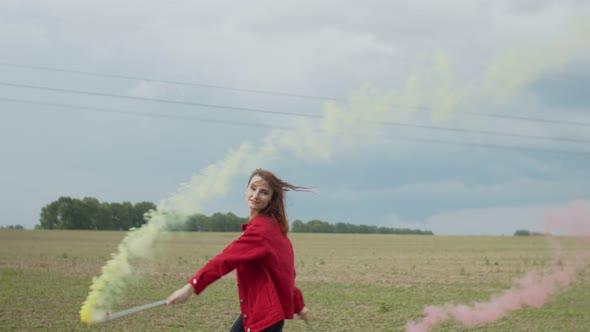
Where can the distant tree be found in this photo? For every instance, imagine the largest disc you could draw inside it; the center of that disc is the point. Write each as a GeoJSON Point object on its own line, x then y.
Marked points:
{"type": "Point", "coordinates": [298, 226]}
{"type": "Point", "coordinates": [318, 226]}
{"type": "Point", "coordinates": [102, 218]}
{"type": "Point", "coordinates": [198, 223]}
{"type": "Point", "coordinates": [218, 222]}
{"type": "Point", "coordinates": [92, 214]}
{"type": "Point", "coordinates": [122, 215]}
{"type": "Point", "coordinates": [363, 229]}
{"type": "Point", "coordinates": [522, 232]}
{"type": "Point", "coordinates": [50, 218]}
{"type": "Point", "coordinates": [65, 212]}
{"type": "Point", "coordinates": [139, 210]}
{"type": "Point", "coordinates": [234, 223]}
{"type": "Point", "coordinates": [341, 227]}
{"type": "Point", "coordinates": [17, 226]}
{"type": "Point", "coordinates": [59, 214]}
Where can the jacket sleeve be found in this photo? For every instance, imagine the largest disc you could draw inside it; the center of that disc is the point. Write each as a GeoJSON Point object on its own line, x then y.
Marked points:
{"type": "Point", "coordinates": [251, 245]}
{"type": "Point", "coordinates": [298, 303]}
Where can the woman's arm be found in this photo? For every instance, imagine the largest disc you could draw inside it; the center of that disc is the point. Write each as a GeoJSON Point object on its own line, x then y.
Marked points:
{"type": "Point", "coordinates": [251, 245]}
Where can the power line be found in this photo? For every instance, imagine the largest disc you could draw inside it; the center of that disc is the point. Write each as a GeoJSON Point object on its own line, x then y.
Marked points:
{"type": "Point", "coordinates": [485, 132]}
{"type": "Point", "coordinates": [492, 146]}
{"type": "Point", "coordinates": [285, 94]}
{"type": "Point", "coordinates": [182, 83]}
{"type": "Point", "coordinates": [137, 113]}
{"type": "Point", "coordinates": [384, 123]}
{"type": "Point", "coordinates": [240, 123]}
{"type": "Point", "coordinates": [166, 101]}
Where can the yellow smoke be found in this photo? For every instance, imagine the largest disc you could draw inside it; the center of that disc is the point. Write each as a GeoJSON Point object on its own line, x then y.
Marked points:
{"type": "Point", "coordinates": [333, 133]}
{"type": "Point", "coordinates": [118, 270]}
{"type": "Point", "coordinates": [515, 70]}
{"type": "Point", "coordinates": [211, 183]}
{"type": "Point", "coordinates": [505, 76]}
{"type": "Point", "coordinates": [446, 96]}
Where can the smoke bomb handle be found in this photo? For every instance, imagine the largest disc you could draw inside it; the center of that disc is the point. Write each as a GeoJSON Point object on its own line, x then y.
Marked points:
{"type": "Point", "coordinates": [120, 314]}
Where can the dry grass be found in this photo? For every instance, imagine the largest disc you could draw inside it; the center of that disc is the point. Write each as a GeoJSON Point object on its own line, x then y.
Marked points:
{"type": "Point", "coordinates": [350, 282]}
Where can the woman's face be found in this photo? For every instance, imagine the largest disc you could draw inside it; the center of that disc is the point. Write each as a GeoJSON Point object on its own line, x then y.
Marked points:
{"type": "Point", "coordinates": [258, 194]}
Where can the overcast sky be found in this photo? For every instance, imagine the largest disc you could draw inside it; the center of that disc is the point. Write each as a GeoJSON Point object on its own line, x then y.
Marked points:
{"type": "Point", "coordinates": [460, 117]}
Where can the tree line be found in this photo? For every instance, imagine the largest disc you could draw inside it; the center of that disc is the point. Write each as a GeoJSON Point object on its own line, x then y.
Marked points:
{"type": "Point", "coordinates": [219, 222]}
{"type": "Point", "coordinates": [524, 232]}
{"type": "Point", "coordinates": [318, 226]}
{"type": "Point", "coordinates": [89, 213]}
{"type": "Point", "coordinates": [17, 226]}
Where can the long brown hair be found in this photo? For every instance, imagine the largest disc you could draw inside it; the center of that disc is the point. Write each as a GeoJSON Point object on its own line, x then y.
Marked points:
{"type": "Point", "coordinates": [276, 206]}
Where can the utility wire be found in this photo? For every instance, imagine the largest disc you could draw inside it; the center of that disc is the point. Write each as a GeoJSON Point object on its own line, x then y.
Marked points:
{"type": "Point", "coordinates": [485, 132]}
{"type": "Point", "coordinates": [136, 113]}
{"type": "Point", "coordinates": [240, 123]}
{"type": "Point", "coordinates": [286, 94]}
{"type": "Point", "coordinates": [383, 123]}
{"type": "Point", "coordinates": [158, 100]}
{"type": "Point", "coordinates": [201, 85]}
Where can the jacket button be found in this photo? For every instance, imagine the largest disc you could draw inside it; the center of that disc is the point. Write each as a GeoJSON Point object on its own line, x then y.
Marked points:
{"type": "Point", "coordinates": [248, 330]}
{"type": "Point", "coordinates": [245, 315]}
{"type": "Point", "coordinates": [241, 300]}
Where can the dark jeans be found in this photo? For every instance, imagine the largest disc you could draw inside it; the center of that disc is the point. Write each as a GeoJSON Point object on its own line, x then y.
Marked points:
{"type": "Point", "coordinates": [239, 326]}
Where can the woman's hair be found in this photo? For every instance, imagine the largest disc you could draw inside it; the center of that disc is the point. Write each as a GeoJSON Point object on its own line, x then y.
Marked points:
{"type": "Point", "coordinates": [276, 206]}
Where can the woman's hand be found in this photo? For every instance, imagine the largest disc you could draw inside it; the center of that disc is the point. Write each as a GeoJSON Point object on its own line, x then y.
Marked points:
{"type": "Point", "coordinates": [180, 295]}
{"type": "Point", "coordinates": [304, 314]}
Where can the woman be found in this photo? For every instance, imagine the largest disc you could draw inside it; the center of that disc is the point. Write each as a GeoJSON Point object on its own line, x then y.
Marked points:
{"type": "Point", "coordinates": [263, 258]}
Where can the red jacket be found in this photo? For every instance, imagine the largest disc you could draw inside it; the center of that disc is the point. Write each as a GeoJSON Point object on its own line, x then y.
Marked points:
{"type": "Point", "coordinates": [264, 260]}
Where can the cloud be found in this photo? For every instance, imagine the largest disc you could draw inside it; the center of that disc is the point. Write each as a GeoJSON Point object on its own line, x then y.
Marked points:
{"type": "Point", "coordinates": [413, 61]}
{"type": "Point", "coordinates": [516, 190]}
{"type": "Point", "coordinates": [490, 221]}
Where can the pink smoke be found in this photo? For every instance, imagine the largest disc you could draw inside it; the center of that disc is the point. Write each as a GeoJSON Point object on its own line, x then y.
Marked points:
{"type": "Point", "coordinates": [532, 290]}
{"type": "Point", "coordinates": [574, 220]}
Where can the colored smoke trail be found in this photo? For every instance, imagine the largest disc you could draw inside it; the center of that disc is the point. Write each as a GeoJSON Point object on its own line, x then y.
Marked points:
{"type": "Point", "coordinates": [532, 290]}
{"type": "Point", "coordinates": [321, 140]}
{"type": "Point", "coordinates": [210, 183]}
{"type": "Point", "coordinates": [117, 272]}
{"type": "Point", "coordinates": [513, 71]}
{"type": "Point", "coordinates": [572, 221]}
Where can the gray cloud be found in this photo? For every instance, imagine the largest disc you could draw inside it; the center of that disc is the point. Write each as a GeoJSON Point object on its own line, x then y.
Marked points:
{"type": "Point", "coordinates": [308, 48]}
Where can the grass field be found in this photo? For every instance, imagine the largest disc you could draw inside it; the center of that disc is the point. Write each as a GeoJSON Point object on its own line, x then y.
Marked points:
{"type": "Point", "coordinates": [350, 282]}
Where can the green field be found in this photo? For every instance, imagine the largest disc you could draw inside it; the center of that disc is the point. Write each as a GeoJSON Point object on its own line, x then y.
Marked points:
{"type": "Point", "coordinates": [350, 282]}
